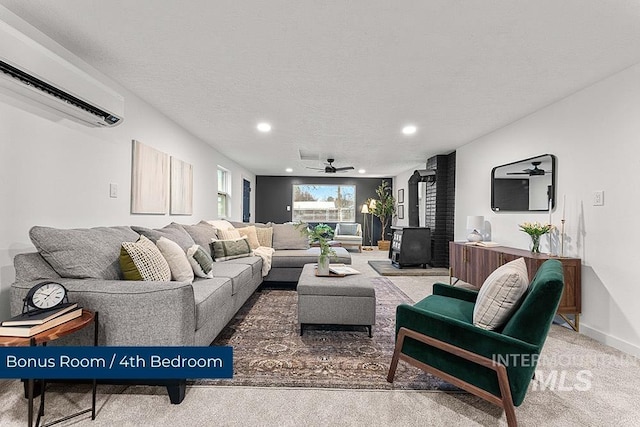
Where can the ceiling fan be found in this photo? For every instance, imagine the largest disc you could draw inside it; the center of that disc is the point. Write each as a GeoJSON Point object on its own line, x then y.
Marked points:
{"type": "Point", "coordinates": [536, 171]}
{"type": "Point", "coordinates": [329, 168]}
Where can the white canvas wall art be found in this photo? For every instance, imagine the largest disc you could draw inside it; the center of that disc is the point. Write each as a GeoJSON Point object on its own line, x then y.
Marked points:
{"type": "Point", "coordinates": [181, 187]}
{"type": "Point", "coordinates": [149, 180]}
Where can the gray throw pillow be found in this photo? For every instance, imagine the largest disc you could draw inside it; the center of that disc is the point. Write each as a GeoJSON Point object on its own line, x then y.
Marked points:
{"type": "Point", "coordinates": [288, 236]}
{"type": "Point", "coordinates": [83, 253]}
{"type": "Point", "coordinates": [347, 229]}
{"type": "Point", "coordinates": [172, 231]}
{"type": "Point", "coordinates": [202, 233]}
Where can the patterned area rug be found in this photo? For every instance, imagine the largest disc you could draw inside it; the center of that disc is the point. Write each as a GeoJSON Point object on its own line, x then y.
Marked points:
{"type": "Point", "coordinates": [269, 351]}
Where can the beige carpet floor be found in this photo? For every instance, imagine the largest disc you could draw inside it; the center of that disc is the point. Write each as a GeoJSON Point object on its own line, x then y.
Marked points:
{"type": "Point", "coordinates": [610, 399]}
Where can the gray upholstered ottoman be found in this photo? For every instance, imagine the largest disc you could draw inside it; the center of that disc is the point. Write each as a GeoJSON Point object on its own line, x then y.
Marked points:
{"type": "Point", "coordinates": [349, 300]}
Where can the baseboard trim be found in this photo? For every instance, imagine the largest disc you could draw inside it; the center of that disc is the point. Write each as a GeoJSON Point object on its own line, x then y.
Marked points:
{"type": "Point", "coordinates": [609, 340]}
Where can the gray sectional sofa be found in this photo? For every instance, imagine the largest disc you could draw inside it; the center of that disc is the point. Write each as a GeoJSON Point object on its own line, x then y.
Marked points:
{"type": "Point", "coordinates": [147, 313]}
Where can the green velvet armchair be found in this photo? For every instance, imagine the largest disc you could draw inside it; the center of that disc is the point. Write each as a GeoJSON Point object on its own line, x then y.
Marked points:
{"type": "Point", "coordinates": [438, 336]}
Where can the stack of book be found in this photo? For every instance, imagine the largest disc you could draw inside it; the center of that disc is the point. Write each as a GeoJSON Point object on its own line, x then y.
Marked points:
{"type": "Point", "coordinates": [34, 322]}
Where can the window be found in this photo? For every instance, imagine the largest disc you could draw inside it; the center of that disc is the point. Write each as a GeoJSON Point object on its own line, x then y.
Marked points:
{"type": "Point", "coordinates": [324, 203]}
{"type": "Point", "coordinates": [224, 192]}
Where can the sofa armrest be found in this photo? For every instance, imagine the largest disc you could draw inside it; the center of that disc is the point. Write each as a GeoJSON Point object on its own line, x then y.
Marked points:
{"type": "Point", "coordinates": [453, 292]}
{"type": "Point", "coordinates": [132, 313]}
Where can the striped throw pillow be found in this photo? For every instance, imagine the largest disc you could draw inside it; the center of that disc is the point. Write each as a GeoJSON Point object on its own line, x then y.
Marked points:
{"type": "Point", "coordinates": [500, 294]}
{"type": "Point", "coordinates": [223, 250]}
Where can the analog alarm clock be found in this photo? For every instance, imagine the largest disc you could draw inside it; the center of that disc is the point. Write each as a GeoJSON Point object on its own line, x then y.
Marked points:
{"type": "Point", "coordinates": [46, 295]}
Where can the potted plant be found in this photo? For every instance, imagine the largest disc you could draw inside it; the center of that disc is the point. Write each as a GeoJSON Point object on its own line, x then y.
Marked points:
{"type": "Point", "coordinates": [384, 208]}
{"type": "Point", "coordinates": [321, 235]}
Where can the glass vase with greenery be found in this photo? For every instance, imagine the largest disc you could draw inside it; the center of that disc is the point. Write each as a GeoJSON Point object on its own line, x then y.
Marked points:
{"type": "Point", "coordinates": [535, 230]}
{"type": "Point", "coordinates": [320, 235]}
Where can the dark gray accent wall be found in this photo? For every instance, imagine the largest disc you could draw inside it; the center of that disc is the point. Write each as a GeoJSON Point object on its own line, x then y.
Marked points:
{"type": "Point", "coordinates": [275, 193]}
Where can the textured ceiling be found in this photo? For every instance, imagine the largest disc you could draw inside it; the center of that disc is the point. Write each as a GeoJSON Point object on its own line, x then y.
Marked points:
{"type": "Point", "coordinates": [341, 78]}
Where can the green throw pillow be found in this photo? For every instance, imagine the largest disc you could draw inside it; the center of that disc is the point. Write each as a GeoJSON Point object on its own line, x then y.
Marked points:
{"type": "Point", "coordinates": [200, 261]}
{"type": "Point", "coordinates": [223, 250]}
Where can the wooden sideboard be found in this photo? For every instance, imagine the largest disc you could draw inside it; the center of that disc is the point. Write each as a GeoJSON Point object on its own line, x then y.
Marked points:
{"type": "Point", "coordinates": [473, 264]}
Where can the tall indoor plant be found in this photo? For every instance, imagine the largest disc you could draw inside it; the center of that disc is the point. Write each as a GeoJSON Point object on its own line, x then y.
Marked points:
{"type": "Point", "coordinates": [384, 208]}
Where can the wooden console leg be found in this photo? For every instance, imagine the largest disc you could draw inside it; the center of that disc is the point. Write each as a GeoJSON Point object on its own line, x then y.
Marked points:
{"type": "Point", "coordinates": [177, 391]}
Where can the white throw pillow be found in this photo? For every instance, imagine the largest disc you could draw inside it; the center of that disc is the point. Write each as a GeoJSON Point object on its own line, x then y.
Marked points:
{"type": "Point", "coordinates": [232, 234]}
{"type": "Point", "coordinates": [500, 295]}
{"type": "Point", "coordinates": [181, 270]}
{"type": "Point", "coordinates": [221, 224]}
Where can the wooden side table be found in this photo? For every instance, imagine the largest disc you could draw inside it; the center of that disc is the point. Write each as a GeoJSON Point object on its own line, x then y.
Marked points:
{"type": "Point", "coordinates": [43, 338]}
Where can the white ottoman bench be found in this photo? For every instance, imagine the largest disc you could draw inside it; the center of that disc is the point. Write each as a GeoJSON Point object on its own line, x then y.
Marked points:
{"type": "Point", "coordinates": [349, 300]}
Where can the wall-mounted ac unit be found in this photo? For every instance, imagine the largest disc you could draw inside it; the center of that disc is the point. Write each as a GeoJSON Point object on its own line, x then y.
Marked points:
{"type": "Point", "coordinates": [37, 77]}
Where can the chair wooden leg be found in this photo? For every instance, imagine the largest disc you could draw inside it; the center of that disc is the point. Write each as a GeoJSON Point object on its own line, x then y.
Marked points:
{"type": "Point", "coordinates": [505, 391]}
{"type": "Point", "coordinates": [395, 358]}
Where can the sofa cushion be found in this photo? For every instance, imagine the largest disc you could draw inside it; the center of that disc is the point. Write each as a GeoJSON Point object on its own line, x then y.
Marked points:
{"type": "Point", "coordinates": [254, 261]}
{"type": "Point", "coordinates": [450, 307]}
{"type": "Point", "coordinates": [179, 265]}
{"type": "Point", "coordinates": [210, 296]}
{"type": "Point", "coordinates": [201, 262]}
{"type": "Point", "coordinates": [172, 231]}
{"type": "Point", "coordinates": [202, 234]}
{"type": "Point", "coordinates": [240, 274]}
{"type": "Point", "coordinates": [142, 260]}
{"type": "Point", "coordinates": [265, 236]}
{"type": "Point", "coordinates": [348, 238]}
{"type": "Point", "coordinates": [252, 235]}
{"type": "Point", "coordinates": [82, 253]}
{"type": "Point", "coordinates": [299, 257]}
{"type": "Point", "coordinates": [500, 294]}
{"type": "Point", "coordinates": [31, 266]}
{"type": "Point", "coordinates": [223, 250]}
{"type": "Point", "coordinates": [288, 236]}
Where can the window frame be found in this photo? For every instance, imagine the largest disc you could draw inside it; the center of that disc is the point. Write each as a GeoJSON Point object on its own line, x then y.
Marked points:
{"type": "Point", "coordinates": [224, 191]}
{"type": "Point", "coordinates": [328, 217]}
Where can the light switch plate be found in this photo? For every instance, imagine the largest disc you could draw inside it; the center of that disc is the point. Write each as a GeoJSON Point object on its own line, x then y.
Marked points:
{"type": "Point", "coordinates": [113, 191]}
{"type": "Point", "coordinates": [598, 198]}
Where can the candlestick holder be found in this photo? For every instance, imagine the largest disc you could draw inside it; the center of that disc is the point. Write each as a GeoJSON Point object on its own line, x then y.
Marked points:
{"type": "Point", "coordinates": [562, 237]}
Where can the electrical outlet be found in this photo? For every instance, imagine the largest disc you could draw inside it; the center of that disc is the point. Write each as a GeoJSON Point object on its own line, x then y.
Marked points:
{"type": "Point", "coordinates": [598, 198]}
{"type": "Point", "coordinates": [113, 191]}
{"type": "Point", "coordinates": [288, 208]}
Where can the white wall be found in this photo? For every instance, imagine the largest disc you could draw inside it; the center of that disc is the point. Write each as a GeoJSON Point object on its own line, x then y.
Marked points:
{"type": "Point", "coordinates": [58, 173]}
{"type": "Point", "coordinates": [594, 134]}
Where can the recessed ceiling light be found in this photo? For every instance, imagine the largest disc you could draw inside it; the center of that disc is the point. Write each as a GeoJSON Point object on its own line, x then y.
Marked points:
{"type": "Point", "coordinates": [264, 127]}
{"type": "Point", "coordinates": [361, 171]}
{"type": "Point", "coordinates": [289, 170]}
{"type": "Point", "coordinates": [409, 130]}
